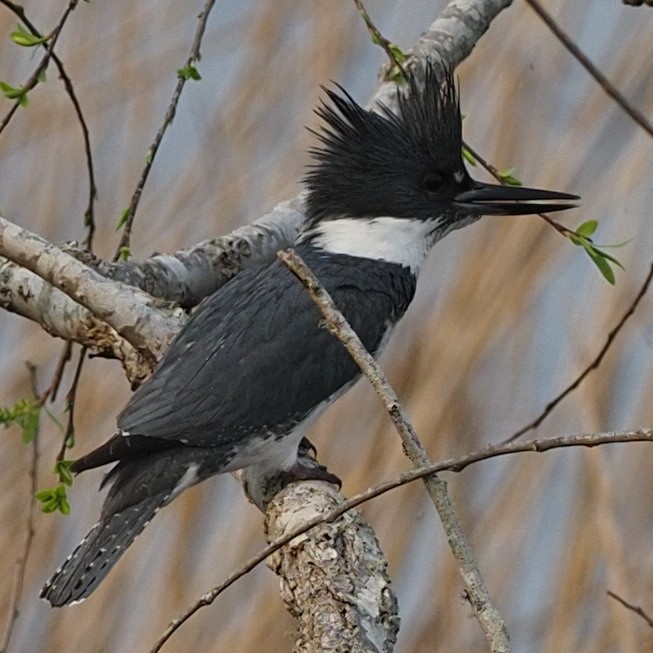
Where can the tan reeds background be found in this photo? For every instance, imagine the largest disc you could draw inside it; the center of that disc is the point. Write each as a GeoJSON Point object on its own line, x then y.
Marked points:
{"type": "Point", "coordinates": [506, 314]}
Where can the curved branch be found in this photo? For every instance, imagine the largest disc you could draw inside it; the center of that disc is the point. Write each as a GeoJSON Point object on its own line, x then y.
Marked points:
{"type": "Point", "coordinates": [132, 313]}
{"type": "Point", "coordinates": [451, 464]}
{"type": "Point", "coordinates": [189, 275]}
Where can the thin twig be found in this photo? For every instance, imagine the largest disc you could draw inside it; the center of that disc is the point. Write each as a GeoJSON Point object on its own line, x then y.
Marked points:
{"type": "Point", "coordinates": [452, 464]}
{"type": "Point", "coordinates": [13, 611]}
{"type": "Point", "coordinates": [68, 440]}
{"type": "Point", "coordinates": [593, 365]}
{"type": "Point", "coordinates": [53, 388]}
{"type": "Point", "coordinates": [43, 64]}
{"type": "Point", "coordinates": [487, 615]}
{"type": "Point", "coordinates": [637, 610]}
{"type": "Point", "coordinates": [379, 39]}
{"type": "Point", "coordinates": [584, 61]}
{"type": "Point", "coordinates": [89, 213]}
{"type": "Point", "coordinates": [193, 58]}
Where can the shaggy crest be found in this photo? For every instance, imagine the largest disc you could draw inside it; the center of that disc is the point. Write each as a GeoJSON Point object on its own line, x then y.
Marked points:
{"type": "Point", "coordinates": [377, 164]}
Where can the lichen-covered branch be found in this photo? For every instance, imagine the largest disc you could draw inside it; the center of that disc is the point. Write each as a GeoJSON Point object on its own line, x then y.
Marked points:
{"type": "Point", "coordinates": [189, 275]}
{"type": "Point", "coordinates": [26, 294]}
{"type": "Point", "coordinates": [132, 313]}
{"type": "Point", "coordinates": [335, 581]}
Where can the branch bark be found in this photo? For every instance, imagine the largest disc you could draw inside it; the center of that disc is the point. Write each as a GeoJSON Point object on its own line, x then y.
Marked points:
{"type": "Point", "coordinates": [335, 580]}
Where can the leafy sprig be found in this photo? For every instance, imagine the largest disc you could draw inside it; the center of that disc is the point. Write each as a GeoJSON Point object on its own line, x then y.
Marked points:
{"type": "Point", "coordinates": [603, 261]}
{"type": "Point", "coordinates": [26, 414]}
{"type": "Point", "coordinates": [56, 498]}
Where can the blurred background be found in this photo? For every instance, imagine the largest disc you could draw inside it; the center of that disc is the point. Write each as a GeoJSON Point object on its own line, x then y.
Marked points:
{"type": "Point", "coordinates": [507, 313]}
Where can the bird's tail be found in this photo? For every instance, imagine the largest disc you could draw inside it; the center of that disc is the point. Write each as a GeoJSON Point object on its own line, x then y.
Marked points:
{"type": "Point", "coordinates": [96, 554]}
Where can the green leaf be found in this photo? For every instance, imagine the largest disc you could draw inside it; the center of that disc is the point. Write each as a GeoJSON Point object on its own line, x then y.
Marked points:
{"type": "Point", "coordinates": [189, 72]}
{"type": "Point", "coordinates": [607, 256]}
{"type": "Point", "coordinates": [124, 253]}
{"type": "Point", "coordinates": [469, 157]}
{"type": "Point", "coordinates": [62, 469]}
{"type": "Point", "coordinates": [124, 216]}
{"type": "Point", "coordinates": [28, 40]}
{"type": "Point", "coordinates": [398, 53]}
{"type": "Point", "coordinates": [64, 506]}
{"type": "Point", "coordinates": [603, 266]}
{"type": "Point", "coordinates": [506, 176]}
{"type": "Point", "coordinates": [602, 260]}
{"type": "Point", "coordinates": [587, 228]}
{"type": "Point", "coordinates": [25, 413]}
{"type": "Point", "coordinates": [17, 93]}
{"type": "Point", "coordinates": [54, 498]}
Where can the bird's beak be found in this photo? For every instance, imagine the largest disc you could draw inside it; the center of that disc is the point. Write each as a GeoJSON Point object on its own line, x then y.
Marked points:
{"type": "Point", "coordinates": [491, 199]}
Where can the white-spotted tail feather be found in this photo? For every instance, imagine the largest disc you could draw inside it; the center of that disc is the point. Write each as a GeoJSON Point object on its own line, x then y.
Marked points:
{"type": "Point", "coordinates": [96, 554]}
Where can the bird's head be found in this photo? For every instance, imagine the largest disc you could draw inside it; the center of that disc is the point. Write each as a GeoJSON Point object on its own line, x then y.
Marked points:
{"type": "Point", "coordinates": [406, 165]}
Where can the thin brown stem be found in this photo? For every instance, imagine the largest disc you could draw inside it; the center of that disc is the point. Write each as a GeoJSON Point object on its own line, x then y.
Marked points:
{"type": "Point", "coordinates": [43, 64]}
{"type": "Point", "coordinates": [13, 611]}
{"type": "Point", "coordinates": [379, 39]}
{"type": "Point", "coordinates": [89, 213]}
{"type": "Point", "coordinates": [68, 440]}
{"type": "Point", "coordinates": [585, 62]}
{"type": "Point", "coordinates": [489, 618]}
{"type": "Point", "coordinates": [452, 464]}
{"type": "Point", "coordinates": [636, 609]}
{"type": "Point", "coordinates": [593, 365]}
{"type": "Point", "coordinates": [193, 58]}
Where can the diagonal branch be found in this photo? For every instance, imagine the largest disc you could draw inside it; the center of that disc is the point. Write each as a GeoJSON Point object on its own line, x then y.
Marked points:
{"type": "Point", "coordinates": [452, 464]}
{"type": "Point", "coordinates": [89, 218]}
{"type": "Point", "coordinates": [488, 616]}
{"type": "Point", "coordinates": [193, 58]}
{"type": "Point", "coordinates": [610, 89]}
{"type": "Point", "coordinates": [132, 313]}
{"type": "Point", "coordinates": [548, 409]}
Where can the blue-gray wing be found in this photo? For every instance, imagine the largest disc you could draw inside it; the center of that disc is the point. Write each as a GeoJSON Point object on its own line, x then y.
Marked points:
{"type": "Point", "coordinates": [254, 358]}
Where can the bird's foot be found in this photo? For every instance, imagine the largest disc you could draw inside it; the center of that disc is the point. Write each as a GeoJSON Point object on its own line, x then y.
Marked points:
{"type": "Point", "coordinates": [261, 488]}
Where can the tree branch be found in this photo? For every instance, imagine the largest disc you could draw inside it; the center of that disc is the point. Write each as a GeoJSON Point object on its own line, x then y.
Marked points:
{"type": "Point", "coordinates": [487, 615]}
{"type": "Point", "coordinates": [452, 464]}
{"type": "Point", "coordinates": [336, 582]}
{"type": "Point", "coordinates": [130, 312]}
{"type": "Point", "coordinates": [189, 275]}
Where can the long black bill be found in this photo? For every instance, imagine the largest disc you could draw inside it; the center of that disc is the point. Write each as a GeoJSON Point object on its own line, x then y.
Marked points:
{"type": "Point", "coordinates": [491, 199]}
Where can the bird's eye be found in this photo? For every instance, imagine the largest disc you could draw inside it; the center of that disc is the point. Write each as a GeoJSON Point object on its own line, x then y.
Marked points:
{"type": "Point", "coordinates": [432, 182]}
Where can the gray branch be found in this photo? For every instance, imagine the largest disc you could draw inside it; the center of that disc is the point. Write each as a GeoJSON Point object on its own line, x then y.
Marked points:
{"type": "Point", "coordinates": [189, 275]}
{"type": "Point", "coordinates": [114, 311]}
{"type": "Point", "coordinates": [335, 581]}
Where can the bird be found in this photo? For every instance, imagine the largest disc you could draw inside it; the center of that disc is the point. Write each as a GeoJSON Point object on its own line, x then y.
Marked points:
{"type": "Point", "coordinates": [253, 366]}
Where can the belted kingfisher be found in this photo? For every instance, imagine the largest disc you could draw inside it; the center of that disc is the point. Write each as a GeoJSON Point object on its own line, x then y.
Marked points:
{"type": "Point", "coordinates": [252, 366]}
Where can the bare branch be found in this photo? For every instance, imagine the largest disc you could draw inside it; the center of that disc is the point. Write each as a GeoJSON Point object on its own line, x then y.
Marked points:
{"type": "Point", "coordinates": [130, 312]}
{"type": "Point", "coordinates": [89, 219]}
{"type": "Point", "coordinates": [193, 58]}
{"type": "Point", "coordinates": [488, 616]}
{"type": "Point", "coordinates": [636, 609]}
{"type": "Point", "coordinates": [452, 464]}
{"type": "Point", "coordinates": [189, 275]}
{"type": "Point", "coordinates": [630, 311]}
{"type": "Point", "coordinates": [611, 90]}
{"type": "Point", "coordinates": [21, 565]}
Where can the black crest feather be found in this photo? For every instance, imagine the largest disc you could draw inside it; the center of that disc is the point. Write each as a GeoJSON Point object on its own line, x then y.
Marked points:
{"type": "Point", "coordinates": [371, 163]}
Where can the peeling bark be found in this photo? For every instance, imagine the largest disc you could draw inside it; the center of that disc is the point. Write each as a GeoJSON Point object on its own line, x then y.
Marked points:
{"type": "Point", "coordinates": [334, 580]}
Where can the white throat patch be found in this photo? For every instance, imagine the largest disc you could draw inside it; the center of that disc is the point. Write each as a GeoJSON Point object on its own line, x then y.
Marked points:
{"type": "Point", "coordinates": [404, 241]}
